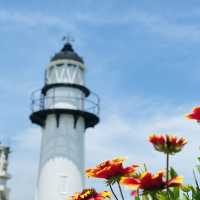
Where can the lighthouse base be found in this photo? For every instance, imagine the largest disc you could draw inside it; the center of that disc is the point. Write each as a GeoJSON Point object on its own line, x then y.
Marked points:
{"type": "Point", "coordinates": [59, 179]}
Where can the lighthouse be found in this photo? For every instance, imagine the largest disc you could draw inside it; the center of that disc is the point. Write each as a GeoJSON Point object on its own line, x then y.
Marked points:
{"type": "Point", "coordinates": [64, 108]}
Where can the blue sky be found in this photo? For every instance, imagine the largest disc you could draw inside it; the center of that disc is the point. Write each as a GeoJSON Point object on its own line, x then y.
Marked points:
{"type": "Point", "coordinates": [142, 59]}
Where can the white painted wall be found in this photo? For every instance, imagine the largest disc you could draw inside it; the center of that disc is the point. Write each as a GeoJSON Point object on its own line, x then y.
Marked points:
{"type": "Point", "coordinates": [62, 158]}
{"type": "Point", "coordinates": [65, 97]}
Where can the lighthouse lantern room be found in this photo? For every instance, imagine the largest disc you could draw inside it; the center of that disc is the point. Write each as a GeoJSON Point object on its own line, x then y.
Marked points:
{"type": "Point", "coordinates": [64, 108]}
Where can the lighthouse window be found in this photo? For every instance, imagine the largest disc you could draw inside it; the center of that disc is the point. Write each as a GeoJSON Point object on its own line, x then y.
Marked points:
{"type": "Point", "coordinates": [49, 73]}
{"type": "Point", "coordinates": [51, 68]}
{"type": "Point", "coordinates": [71, 65]}
{"type": "Point", "coordinates": [59, 65]}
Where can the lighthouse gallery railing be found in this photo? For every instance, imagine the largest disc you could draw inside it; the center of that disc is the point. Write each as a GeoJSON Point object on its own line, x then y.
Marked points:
{"type": "Point", "coordinates": [40, 102]}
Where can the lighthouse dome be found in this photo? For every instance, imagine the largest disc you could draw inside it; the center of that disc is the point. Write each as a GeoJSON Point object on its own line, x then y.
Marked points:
{"type": "Point", "coordinates": [67, 53]}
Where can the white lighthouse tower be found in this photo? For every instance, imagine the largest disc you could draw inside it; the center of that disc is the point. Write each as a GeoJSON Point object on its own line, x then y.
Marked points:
{"type": "Point", "coordinates": [4, 175]}
{"type": "Point", "coordinates": [64, 108]}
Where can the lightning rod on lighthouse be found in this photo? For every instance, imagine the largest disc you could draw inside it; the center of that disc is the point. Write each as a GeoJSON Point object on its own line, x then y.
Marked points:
{"type": "Point", "coordinates": [64, 108]}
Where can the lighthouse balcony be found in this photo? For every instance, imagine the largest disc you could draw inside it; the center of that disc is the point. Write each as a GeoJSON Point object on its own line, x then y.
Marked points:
{"type": "Point", "coordinates": [42, 105]}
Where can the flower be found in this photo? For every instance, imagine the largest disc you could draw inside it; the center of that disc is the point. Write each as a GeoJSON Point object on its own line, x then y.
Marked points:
{"type": "Point", "coordinates": [167, 143]}
{"type": "Point", "coordinates": [134, 193]}
{"type": "Point", "coordinates": [195, 114]}
{"type": "Point", "coordinates": [149, 182]}
{"type": "Point", "coordinates": [111, 170]}
{"type": "Point", "coordinates": [90, 194]}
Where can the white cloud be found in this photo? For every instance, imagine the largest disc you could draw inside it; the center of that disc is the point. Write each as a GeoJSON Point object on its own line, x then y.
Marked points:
{"type": "Point", "coordinates": [166, 27]}
{"type": "Point", "coordinates": [33, 19]}
{"type": "Point", "coordinates": [24, 164]}
{"type": "Point", "coordinates": [158, 24]}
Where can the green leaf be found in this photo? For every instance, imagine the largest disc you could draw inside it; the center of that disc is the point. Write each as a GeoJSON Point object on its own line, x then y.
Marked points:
{"type": "Point", "coordinates": [162, 196]}
{"type": "Point", "coordinates": [176, 192]}
{"type": "Point", "coordinates": [137, 198]}
{"type": "Point", "coordinates": [198, 168]}
{"type": "Point", "coordinates": [196, 181]}
{"type": "Point", "coordinates": [186, 188]}
{"type": "Point", "coordinates": [145, 197]}
{"type": "Point", "coordinates": [173, 173]}
{"type": "Point", "coordinates": [145, 167]}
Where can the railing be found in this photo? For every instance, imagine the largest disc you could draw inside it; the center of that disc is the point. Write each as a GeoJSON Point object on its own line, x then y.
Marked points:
{"type": "Point", "coordinates": [40, 102]}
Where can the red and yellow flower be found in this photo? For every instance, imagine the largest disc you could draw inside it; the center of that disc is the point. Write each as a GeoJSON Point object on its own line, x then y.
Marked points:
{"type": "Point", "coordinates": [195, 115]}
{"type": "Point", "coordinates": [149, 182]}
{"type": "Point", "coordinates": [167, 143]}
{"type": "Point", "coordinates": [91, 194]}
{"type": "Point", "coordinates": [111, 169]}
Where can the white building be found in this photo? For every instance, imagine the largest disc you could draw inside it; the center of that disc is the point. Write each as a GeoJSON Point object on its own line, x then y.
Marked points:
{"type": "Point", "coordinates": [64, 111]}
{"type": "Point", "coordinates": [4, 175]}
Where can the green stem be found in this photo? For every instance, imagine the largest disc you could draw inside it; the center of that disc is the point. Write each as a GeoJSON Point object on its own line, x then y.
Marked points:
{"type": "Point", "coordinates": [167, 175]}
{"type": "Point", "coordinates": [167, 168]}
{"type": "Point", "coordinates": [195, 178]}
{"type": "Point", "coordinates": [113, 192]}
{"type": "Point", "coordinates": [120, 189]}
